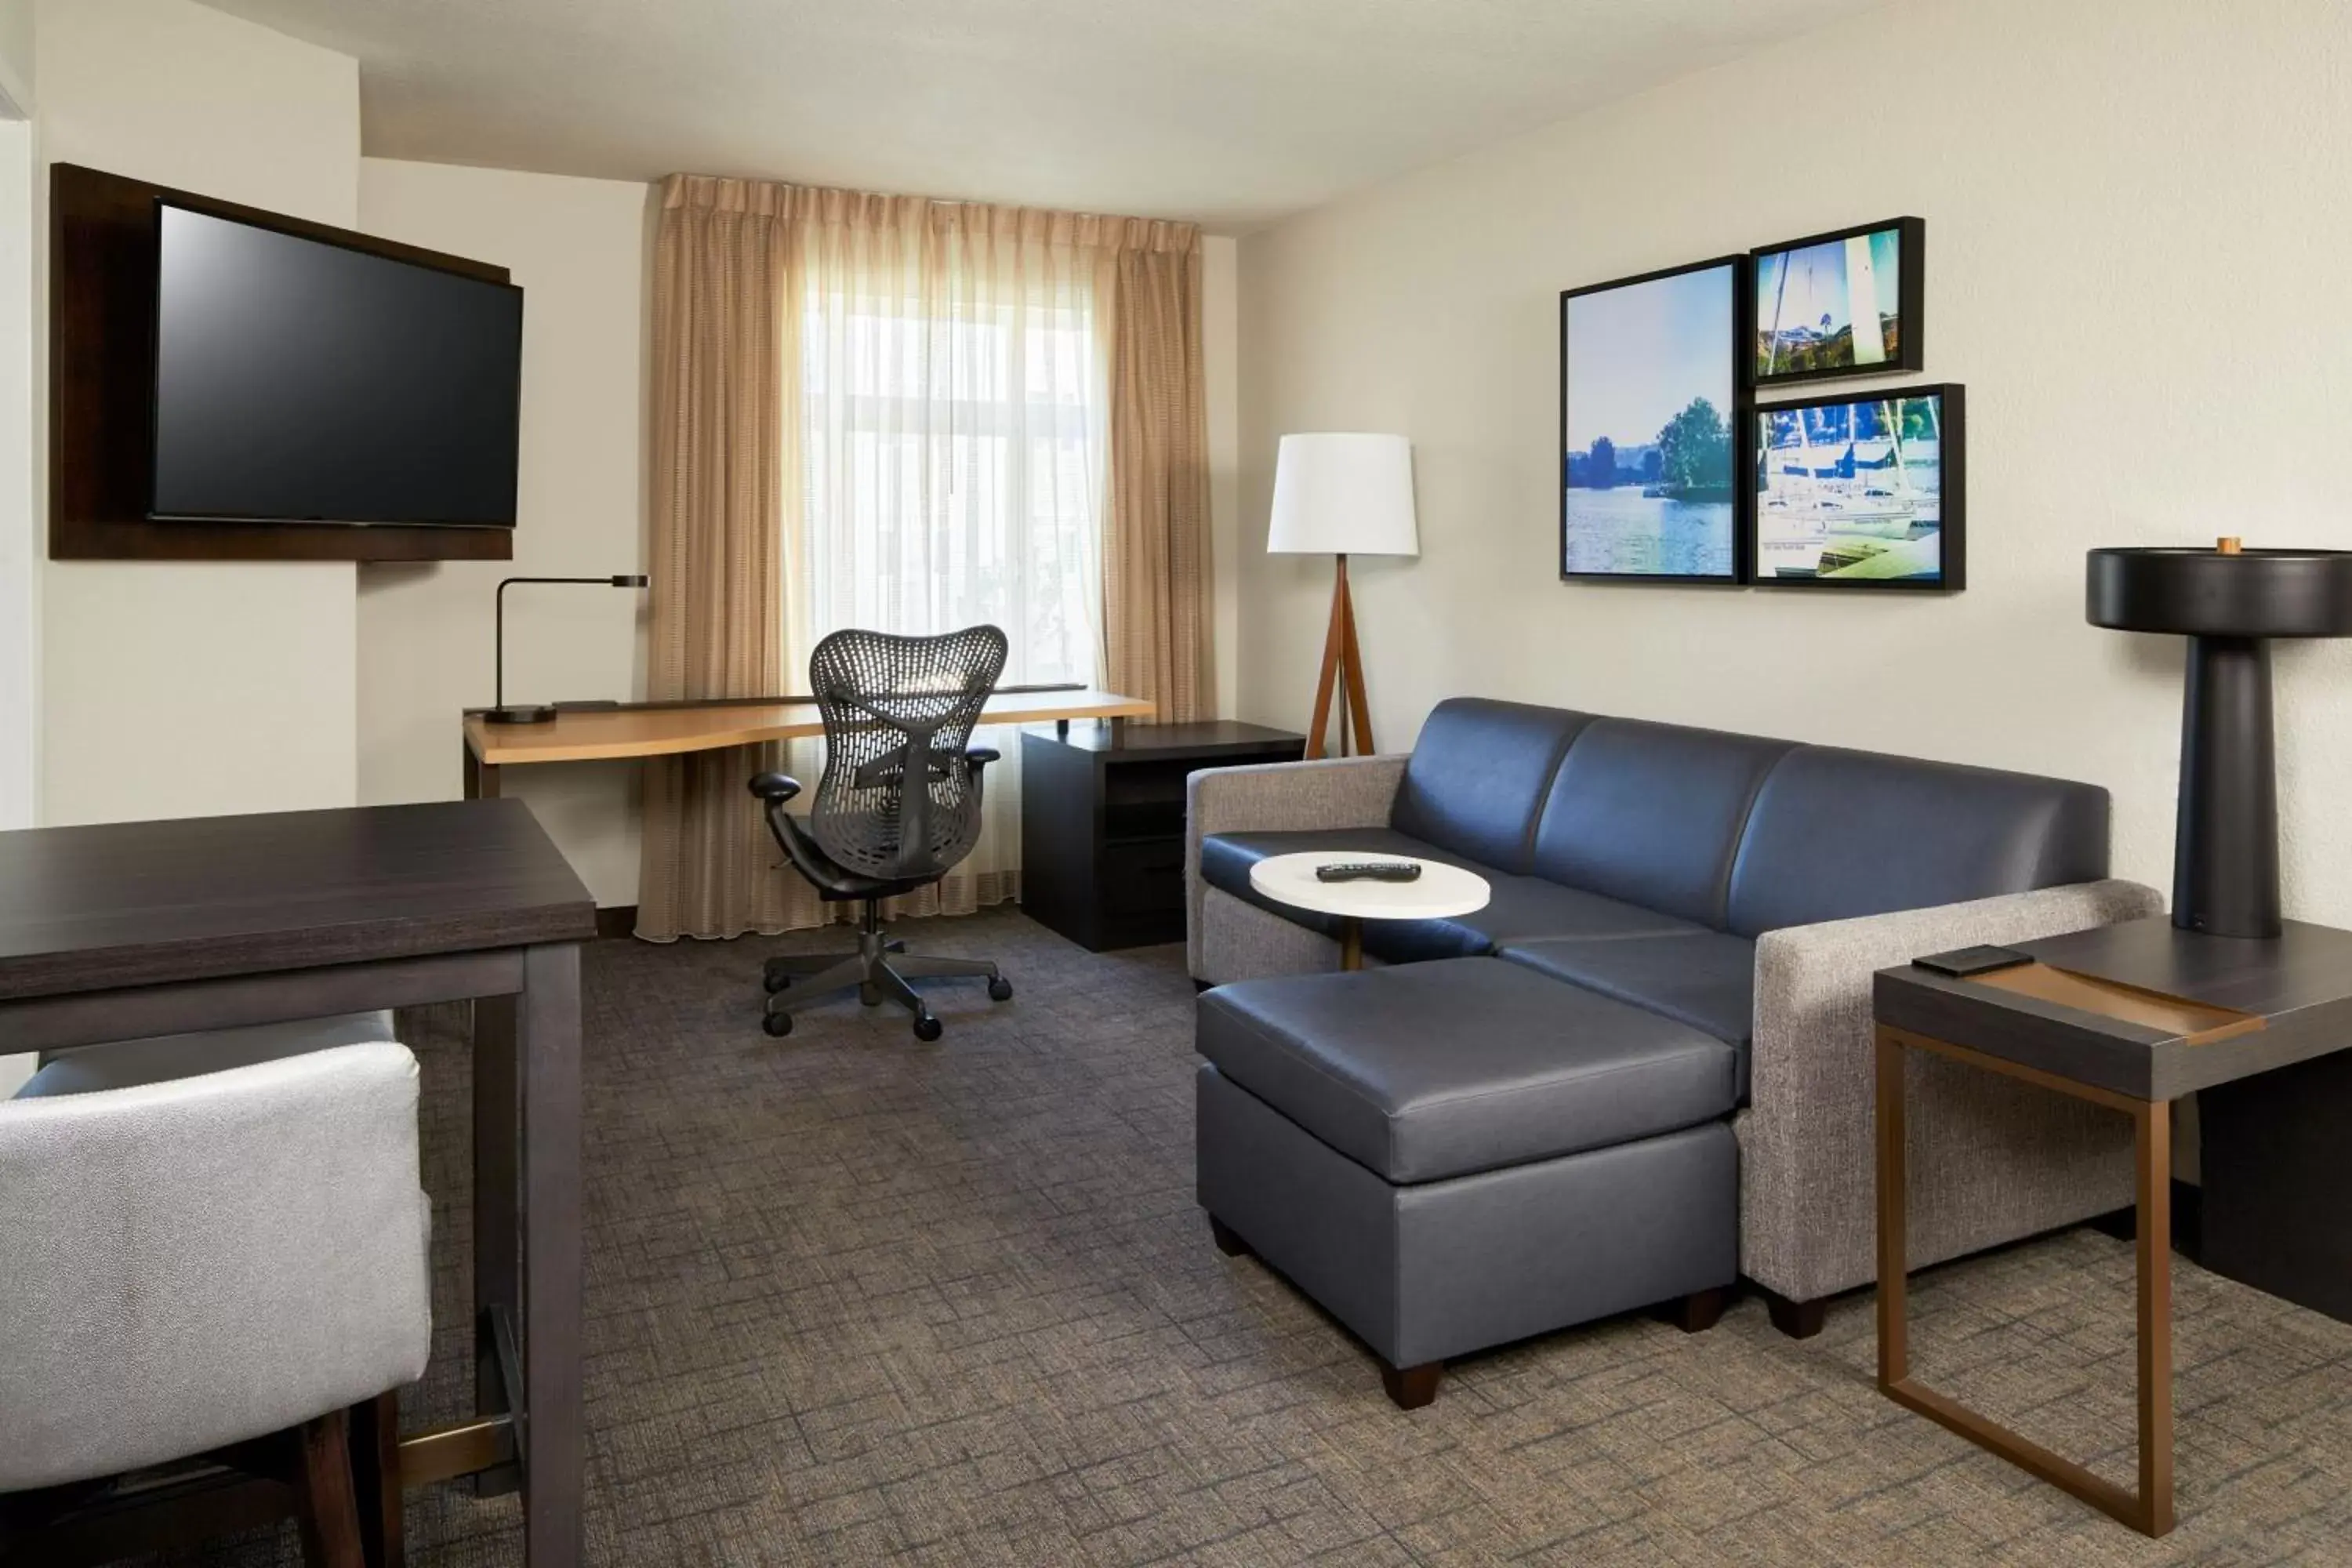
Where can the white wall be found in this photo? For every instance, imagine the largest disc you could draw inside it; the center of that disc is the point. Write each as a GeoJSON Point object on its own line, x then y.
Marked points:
{"type": "Point", "coordinates": [171, 689]}
{"type": "Point", "coordinates": [19, 597]}
{"type": "Point", "coordinates": [17, 54]}
{"type": "Point", "coordinates": [2137, 225]}
{"type": "Point", "coordinates": [578, 248]}
{"type": "Point", "coordinates": [20, 530]}
{"type": "Point", "coordinates": [19, 536]}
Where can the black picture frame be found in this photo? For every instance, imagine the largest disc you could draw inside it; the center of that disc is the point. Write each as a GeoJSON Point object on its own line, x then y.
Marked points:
{"type": "Point", "coordinates": [1911, 301]}
{"type": "Point", "coordinates": [1736, 415]}
{"type": "Point", "coordinates": [1952, 492]}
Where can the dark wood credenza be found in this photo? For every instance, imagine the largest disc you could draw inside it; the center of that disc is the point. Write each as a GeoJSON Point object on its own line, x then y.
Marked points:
{"type": "Point", "coordinates": [1102, 821]}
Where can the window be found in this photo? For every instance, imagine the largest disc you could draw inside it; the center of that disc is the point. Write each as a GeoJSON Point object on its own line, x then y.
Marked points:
{"type": "Point", "coordinates": [953, 455]}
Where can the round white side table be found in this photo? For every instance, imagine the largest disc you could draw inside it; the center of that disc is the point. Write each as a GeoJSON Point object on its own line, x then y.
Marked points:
{"type": "Point", "coordinates": [1439, 890]}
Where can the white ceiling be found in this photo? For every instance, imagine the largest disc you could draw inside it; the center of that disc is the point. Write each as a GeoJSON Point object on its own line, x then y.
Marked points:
{"type": "Point", "coordinates": [1234, 112]}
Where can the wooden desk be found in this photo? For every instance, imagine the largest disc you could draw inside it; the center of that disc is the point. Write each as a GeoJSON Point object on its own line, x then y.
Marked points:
{"type": "Point", "coordinates": [151, 928]}
{"type": "Point", "coordinates": [2131, 1018]}
{"type": "Point", "coordinates": [589, 733]}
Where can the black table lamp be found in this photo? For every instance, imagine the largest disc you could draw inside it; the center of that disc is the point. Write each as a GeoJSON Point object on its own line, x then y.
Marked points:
{"type": "Point", "coordinates": [2228, 602]}
{"type": "Point", "coordinates": [536, 713]}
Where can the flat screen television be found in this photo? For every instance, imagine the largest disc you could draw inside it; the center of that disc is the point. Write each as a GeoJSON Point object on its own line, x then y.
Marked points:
{"type": "Point", "coordinates": [301, 381]}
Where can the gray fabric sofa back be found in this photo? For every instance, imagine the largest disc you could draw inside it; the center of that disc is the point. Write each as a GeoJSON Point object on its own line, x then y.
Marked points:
{"type": "Point", "coordinates": [1735, 832]}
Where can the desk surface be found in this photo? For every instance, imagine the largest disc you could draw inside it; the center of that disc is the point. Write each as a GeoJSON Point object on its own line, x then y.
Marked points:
{"type": "Point", "coordinates": [145, 903]}
{"type": "Point", "coordinates": [591, 735]}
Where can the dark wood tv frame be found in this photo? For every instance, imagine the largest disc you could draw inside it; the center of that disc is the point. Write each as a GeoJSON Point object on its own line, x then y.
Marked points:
{"type": "Point", "coordinates": [102, 369]}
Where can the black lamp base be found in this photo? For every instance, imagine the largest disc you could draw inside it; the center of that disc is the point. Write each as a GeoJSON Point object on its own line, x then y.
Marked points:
{"type": "Point", "coordinates": [2225, 855]}
{"type": "Point", "coordinates": [521, 713]}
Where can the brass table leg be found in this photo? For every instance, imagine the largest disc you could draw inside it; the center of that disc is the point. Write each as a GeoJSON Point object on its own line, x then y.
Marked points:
{"type": "Point", "coordinates": [1351, 942]}
{"type": "Point", "coordinates": [2149, 1511]}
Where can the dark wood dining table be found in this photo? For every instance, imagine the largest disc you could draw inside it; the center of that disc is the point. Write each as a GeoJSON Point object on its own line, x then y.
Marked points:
{"type": "Point", "coordinates": [127, 930]}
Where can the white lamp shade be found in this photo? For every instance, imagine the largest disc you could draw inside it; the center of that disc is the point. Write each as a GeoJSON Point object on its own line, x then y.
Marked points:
{"type": "Point", "coordinates": [1343, 495]}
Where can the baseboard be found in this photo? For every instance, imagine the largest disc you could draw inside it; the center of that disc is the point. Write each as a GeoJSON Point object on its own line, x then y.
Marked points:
{"type": "Point", "coordinates": [617, 919]}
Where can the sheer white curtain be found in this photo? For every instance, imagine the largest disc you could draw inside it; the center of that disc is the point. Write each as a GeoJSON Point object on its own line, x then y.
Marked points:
{"type": "Point", "coordinates": [952, 445]}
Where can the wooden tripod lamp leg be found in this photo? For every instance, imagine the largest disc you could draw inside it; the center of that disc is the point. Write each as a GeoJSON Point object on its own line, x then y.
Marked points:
{"type": "Point", "coordinates": [1334, 639]}
{"type": "Point", "coordinates": [1342, 677]}
{"type": "Point", "coordinates": [1351, 669]}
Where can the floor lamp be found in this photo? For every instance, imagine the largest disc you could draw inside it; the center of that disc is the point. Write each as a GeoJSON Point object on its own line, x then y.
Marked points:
{"type": "Point", "coordinates": [1342, 495]}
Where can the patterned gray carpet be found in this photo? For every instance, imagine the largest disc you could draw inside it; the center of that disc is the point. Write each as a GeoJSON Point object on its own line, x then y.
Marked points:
{"type": "Point", "coordinates": [855, 1299]}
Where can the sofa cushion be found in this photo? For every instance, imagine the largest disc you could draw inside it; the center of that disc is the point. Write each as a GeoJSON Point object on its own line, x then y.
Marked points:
{"type": "Point", "coordinates": [1651, 814]}
{"type": "Point", "coordinates": [1836, 835]}
{"type": "Point", "coordinates": [1705, 980]}
{"type": "Point", "coordinates": [1518, 909]}
{"type": "Point", "coordinates": [1478, 776]}
{"type": "Point", "coordinates": [1423, 1071]}
{"type": "Point", "coordinates": [1226, 860]}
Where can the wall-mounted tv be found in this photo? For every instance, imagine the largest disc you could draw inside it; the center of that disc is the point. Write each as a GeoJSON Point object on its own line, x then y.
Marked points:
{"type": "Point", "coordinates": [299, 380]}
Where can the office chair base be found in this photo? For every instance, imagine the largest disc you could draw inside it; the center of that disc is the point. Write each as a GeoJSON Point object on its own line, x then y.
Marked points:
{"type": "Point", "coordinates": [877, 979]}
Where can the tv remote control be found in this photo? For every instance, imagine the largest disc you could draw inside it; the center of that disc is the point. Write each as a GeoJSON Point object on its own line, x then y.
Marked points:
{"type": "Point", "coordinates": [1368, 871]}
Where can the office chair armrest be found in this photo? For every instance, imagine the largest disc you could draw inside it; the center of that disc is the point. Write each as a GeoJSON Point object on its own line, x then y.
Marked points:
{"type": "Point", "coordinates": [976, 758]}
{"type": "Point", "coordinates": [775, 788]}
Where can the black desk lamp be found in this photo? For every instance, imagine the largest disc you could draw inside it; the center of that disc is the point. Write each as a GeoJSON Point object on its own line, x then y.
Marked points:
{"type": "Point", "coordinates": [2228, 602]}
{"type": "Point", "coordinates": [536, 713]}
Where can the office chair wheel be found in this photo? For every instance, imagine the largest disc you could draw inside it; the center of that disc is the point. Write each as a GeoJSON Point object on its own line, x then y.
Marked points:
{"type": "Point", "coordinates": [775, 982]}
{"type": "Point", "coordinates": [999, 989]}
{"type": "Point", "coordinates": [777, 1023]}
{"type": "Point", "coordinates": [927, 1027]}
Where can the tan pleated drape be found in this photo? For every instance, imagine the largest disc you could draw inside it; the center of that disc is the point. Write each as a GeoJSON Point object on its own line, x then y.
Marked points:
{"type": "Point", "coordinates": [725, 417]}
{"type": "Point", "coordinates": [785, 317]}
{"type": "Point", "coordinates": [1155, 571]}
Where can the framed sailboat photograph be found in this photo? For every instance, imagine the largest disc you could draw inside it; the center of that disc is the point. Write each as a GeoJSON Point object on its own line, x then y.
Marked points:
{"type": "Point", "coordinates": [1848, 302]}
{"type": "Point", "coordinates": [1652, 417]}
{"type": "Point", "coordinates": [1864, 491]}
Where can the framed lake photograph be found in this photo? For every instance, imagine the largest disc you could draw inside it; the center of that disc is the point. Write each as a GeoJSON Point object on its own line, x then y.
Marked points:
{"type": "Point", "coordinates": [1845, 304]}
{"type": "Point", "coordinates": [1867, 491]}
{"type": "Point", "coordinates": [1651, 424]}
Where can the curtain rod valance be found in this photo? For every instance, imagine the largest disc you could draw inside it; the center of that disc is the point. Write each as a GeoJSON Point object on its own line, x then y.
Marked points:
{"type": "Point", "coordinates": [867, 209]}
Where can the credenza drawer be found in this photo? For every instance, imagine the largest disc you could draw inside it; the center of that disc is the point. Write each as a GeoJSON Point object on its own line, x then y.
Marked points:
{"type": "Point", "coordinates": [1142, 875]}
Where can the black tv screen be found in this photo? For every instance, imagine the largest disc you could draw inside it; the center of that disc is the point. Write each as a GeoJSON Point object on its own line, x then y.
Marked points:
{"type": "Point", "coordinates": [298, 381]}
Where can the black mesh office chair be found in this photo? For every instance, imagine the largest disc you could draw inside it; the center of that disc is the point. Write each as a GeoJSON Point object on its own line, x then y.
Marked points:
{"type": "Point", "coordinates": [871, 833]}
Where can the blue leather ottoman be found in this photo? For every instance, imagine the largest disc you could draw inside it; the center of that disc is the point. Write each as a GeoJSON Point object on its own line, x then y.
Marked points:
{"type": "Point", "coordinates": [1455, 1154]}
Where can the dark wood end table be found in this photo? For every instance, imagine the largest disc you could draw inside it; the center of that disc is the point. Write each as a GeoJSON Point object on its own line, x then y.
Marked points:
{"type": "Point", "coordinates": [2131, 1018]}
